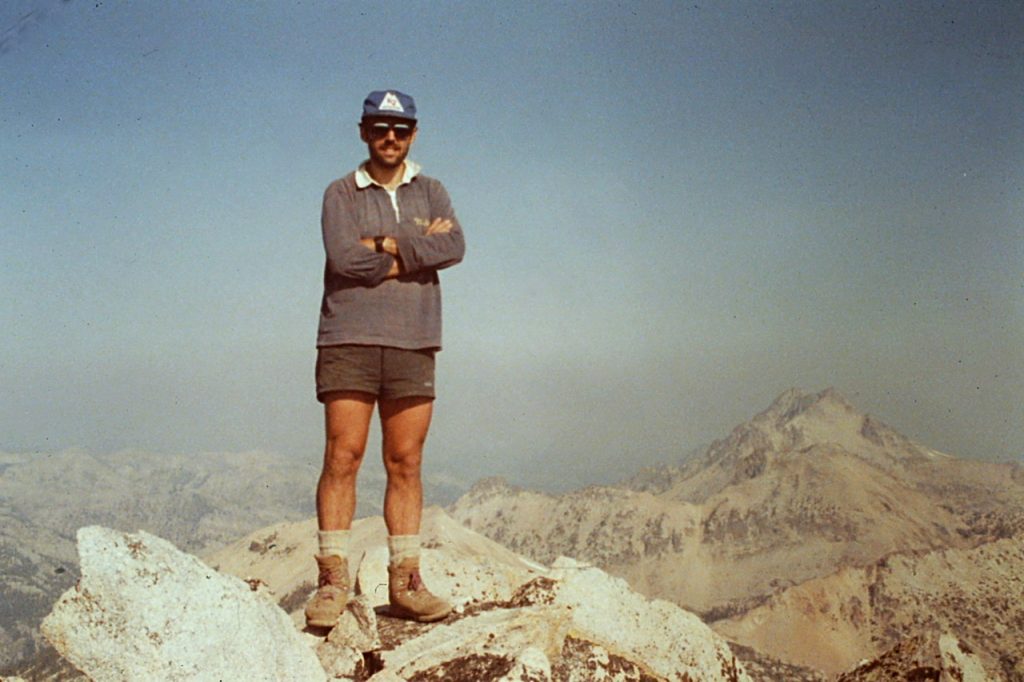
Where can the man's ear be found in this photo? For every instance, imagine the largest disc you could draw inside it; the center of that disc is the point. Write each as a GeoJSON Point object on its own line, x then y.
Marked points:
{"type": "Point", "coordinates": [362, 134]}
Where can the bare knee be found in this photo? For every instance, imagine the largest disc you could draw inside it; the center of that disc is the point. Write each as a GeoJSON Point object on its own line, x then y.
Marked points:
{"type": "Point", "coordinates": [403, 460]}
{"type": "Point", "coordinates": [341, 458]}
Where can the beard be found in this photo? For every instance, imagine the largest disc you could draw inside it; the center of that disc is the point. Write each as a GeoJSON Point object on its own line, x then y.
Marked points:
{"type": "Point", "coordinates": [388, 154]}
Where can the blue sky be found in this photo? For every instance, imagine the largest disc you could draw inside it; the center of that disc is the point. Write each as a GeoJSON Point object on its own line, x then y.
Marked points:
{"type": "Point", "coordinates": [673, 211]}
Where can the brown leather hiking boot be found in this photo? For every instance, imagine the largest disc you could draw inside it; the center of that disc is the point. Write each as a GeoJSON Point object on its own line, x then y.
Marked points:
{"type": "Point", "coordinates": [329, 601]}
{"type": "Point", "coordinates": [410, 599]}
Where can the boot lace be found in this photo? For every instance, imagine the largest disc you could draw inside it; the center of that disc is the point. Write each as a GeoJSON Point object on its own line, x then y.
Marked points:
{"type": "Point", "coordinates": [330, 576]}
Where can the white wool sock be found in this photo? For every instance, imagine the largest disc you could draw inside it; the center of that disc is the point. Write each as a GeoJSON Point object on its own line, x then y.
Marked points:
{"type": "Point", "coordinates": [403, 547]}
{"type": "Point", "coordinates": [334, 542]}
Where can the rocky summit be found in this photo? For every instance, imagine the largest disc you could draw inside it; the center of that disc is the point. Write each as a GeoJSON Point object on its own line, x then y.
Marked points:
{"type": "Point", "coordinates": [198, 501]}
{"type": "Point", "coordinates": [144, 610]}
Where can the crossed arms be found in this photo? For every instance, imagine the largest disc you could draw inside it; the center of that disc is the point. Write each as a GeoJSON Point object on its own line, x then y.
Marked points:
{"type": "Point", "coordinates": [390, 244]}
{"type": "Point", "coordinates": [351, 256]}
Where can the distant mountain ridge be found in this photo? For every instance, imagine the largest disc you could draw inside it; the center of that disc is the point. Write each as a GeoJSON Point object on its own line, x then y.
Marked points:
{"type": "Point", "coordinates": [793, 423]}
{"type": "Point", "coordinates": [198, 502]}
{"type": "Point", "coordinates": [808, 487]}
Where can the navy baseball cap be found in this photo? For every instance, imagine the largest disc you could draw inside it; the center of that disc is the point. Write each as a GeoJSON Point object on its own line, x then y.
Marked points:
{"type": "Point", "coordinates": [389, 103]}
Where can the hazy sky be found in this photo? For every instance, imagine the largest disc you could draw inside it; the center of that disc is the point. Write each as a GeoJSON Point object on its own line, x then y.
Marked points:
{"type": "Point", "coordinates": [673, 212]}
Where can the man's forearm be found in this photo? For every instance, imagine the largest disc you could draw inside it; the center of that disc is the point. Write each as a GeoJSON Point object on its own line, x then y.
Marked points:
{"type": "Point", "coordinates": [439, 227]}
{"type": "Point", "coordinates": [390, 247]}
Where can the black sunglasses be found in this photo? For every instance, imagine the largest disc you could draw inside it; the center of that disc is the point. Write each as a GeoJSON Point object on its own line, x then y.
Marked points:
{"type": "Point", "coordinates": [378, 130]}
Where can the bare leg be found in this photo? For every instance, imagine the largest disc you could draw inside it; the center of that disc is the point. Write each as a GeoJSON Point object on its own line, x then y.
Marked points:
{"type": "Point", "coordinates": [347, 416]}
{"type": "Point", "coordinates": [404, 422]}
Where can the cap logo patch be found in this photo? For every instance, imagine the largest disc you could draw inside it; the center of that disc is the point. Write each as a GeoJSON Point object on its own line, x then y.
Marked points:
{"type": "Point", "coordinates": [391, 103]}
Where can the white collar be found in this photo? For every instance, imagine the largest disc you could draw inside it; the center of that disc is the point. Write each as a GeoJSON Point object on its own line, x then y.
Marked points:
{"type": "Point", "coordinates": [364, 180]}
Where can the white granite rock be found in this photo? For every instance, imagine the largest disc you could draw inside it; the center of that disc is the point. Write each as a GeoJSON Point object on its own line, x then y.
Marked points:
{"type": "Point", "coordinates": [666, 638]}
{"type": "Point", "coordinates": [340, 662]}
{"type": "Point", "coordinates": [499, 633]}
{"type": "Point", "coordinates": [577, 624]}
{"type": "Point", "coordinates": [341, 653]}
{"type": "Point", "coordinates": [959, 665]}
{"type": "Point", "coordinates": [144, 611]}
{"type": "Point", "coordinates": [530, 666]}
{"type": "Point", "coordinates": [357, 626]}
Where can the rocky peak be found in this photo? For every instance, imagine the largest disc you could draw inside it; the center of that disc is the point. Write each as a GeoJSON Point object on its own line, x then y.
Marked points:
{"type": "Point", "coordinates": [797, 422]}
{"type": "Point", "coordinates": [798, 414]}
{"type": "Point", "coordinates": [795, 402]}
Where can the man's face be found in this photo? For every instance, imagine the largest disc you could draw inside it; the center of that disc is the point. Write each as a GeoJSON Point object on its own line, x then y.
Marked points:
{"type": "Point", "coordinates": [387, 139]}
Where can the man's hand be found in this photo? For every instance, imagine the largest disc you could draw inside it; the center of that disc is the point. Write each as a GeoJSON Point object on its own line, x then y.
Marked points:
{"type": "Point", "coordinates": [440, 226]}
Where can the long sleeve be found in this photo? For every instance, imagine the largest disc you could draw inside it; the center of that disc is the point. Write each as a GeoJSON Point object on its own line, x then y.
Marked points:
{"type": "Point", "coordinates": [346, 257]}
{"type": "Point", "coordinates": [435, 251]}
{"type": "Point", "coordinates": [362, 304]}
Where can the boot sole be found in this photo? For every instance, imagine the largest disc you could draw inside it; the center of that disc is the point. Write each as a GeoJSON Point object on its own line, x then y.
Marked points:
{"type": "Point", "coordinates": [324, 622]}
{"type": "Point", "coordinates": [321, 623]}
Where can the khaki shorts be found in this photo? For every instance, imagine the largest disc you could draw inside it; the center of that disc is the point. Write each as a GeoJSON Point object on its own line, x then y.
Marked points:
{"type": "Point", "coordinates": [379, 370]}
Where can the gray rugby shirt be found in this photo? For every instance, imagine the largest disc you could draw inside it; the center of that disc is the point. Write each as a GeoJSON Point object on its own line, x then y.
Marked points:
{"type": "Point", "coordinates": [359, 305]}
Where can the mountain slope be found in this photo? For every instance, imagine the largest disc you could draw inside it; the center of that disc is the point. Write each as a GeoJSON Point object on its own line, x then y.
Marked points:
{"type": "Point", "coordinates": [802, 489]}
{"type": "Point", "coordinates": [808, 488]}
{"type": "Point", "coordinates": [830, 623]}
{"type": "Point", "coordinates": [792, 424]}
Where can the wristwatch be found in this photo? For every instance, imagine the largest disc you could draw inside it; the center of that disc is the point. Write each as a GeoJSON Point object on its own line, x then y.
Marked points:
{"type": "Point", "coordinates": [378, 244]}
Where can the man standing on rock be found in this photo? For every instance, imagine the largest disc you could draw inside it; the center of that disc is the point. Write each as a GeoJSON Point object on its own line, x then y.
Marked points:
{"type": "Point", "coordinates": [387, 230]}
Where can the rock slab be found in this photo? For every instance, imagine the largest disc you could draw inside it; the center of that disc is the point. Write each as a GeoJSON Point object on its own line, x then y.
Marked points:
{"type": "Point", "coordinates": [577, 624]}
{"type": "Point", "coordinates": [144, 610]}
